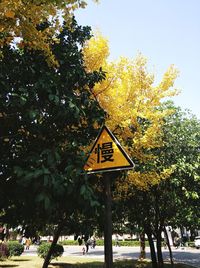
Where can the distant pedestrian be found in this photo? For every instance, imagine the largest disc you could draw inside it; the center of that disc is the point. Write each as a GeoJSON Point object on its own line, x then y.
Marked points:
{"type": "Point", "coordinates": [27, 243]}
{"type": "Point", "coordinates": [80, 241]}
{"type": "Point", "coordinates": [184, 240]}
{"type": "Point", "coordinates": [2, 232]}
{"type": "Point", "coordinates": [87, 244]}
{"type": "Point", "coordinates": [117, 241]}
{"type": "Point", "coordinates": [93, 242]}
{"type": "Point", "coordinates": [23, 241]}
{"type": "Point", "coordinates": [4, 252]}
{"type": "Point", "coordinates": [176, 241]}
{"type": "Point", "coordinates": [83, 250]}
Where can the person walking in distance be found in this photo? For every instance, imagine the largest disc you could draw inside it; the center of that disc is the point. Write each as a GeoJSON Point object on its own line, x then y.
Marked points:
{"type": "Point", "coordinates": [117, 241]}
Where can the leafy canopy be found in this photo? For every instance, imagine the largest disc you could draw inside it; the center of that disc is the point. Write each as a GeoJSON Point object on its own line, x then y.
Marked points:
{"type": "Point", "coordinates": [21, 19]}
{"type": "Point", "coordinates": [174, 201]}
{"type": "Point", "coordinates": [131, 100]}
{"type": "Point", "coordinates": [47, 115]}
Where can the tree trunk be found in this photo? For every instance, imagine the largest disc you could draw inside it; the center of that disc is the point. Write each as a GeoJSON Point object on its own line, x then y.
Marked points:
{"type": "Point", "coordinates": [142, 246]}
{"type": "Point", "coordinates": [158, 230]}
{"type": "Point", "coordinates": [169, 247]}
{"type": "Point", "coordinates": [159, 249]}
{"type": "Point", "coordinates": [54, 242]}
{"type": "Point", "coordinates": [152, 248]}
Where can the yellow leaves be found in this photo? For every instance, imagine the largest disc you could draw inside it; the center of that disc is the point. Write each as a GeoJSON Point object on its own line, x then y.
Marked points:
{"type": "Point", "coordinates": [168, 82]}
{"type": "Point", "coordinates": [21, 18]}
{"type": "Point", "coordinates": [143, 180]}
{"type": "Point", "coordinates": [95, 52]}
{"type": "Point", "coordinates": [96, 125]}
{"type": "Point", "coordinates": [131, 99]}
{"type": "Point", "coordinates": [128, 93]}
{"type": "Point", "coordinates": [10, 14]}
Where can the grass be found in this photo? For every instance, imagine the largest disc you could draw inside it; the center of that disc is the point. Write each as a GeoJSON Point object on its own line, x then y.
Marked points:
{"type": "Point", "coordinates": [74, 262]}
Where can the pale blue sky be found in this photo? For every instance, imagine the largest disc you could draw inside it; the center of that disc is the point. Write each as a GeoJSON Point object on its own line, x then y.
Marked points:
{"type": "Point", "coordinates": [165, 31]}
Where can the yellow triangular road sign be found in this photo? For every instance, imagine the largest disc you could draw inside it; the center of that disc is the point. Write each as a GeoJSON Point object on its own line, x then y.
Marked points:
{"type": "Point", "coordinates": [107, 154]}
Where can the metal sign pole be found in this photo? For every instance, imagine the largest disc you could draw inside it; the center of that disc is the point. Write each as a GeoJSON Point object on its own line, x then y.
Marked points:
{"type": "Point", "coordinates": [107, 155]}
{"type": "Point", "coordinates": [108, 223]}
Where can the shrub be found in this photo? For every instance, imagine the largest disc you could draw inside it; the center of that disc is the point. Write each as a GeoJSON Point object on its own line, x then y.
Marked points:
{"type": "Point", "coordinates": [44, 248]}
{"type": "Point", "coordinates": [99, 242]}
{"type": "Point", "coordinates": [69, 242]}
{"type": "Point", "coordinates": [15, 248]}
{"type": "Point", "coordinates": [130, 243]}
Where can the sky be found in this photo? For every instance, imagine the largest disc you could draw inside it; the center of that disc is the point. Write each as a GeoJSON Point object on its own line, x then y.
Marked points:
{"type": "Point", "coordinates": [165, 31]}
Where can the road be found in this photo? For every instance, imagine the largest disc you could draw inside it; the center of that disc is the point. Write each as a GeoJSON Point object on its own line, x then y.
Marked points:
{"type": "Point", "coordinates": [185, 255]}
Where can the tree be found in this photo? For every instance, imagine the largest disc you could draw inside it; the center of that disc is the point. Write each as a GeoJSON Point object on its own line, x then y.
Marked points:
{"type": "Point", "coordinates": [131, 101]}
{"type": "Point", "coordinates": [182, 149]}
{"type": "Point", "coordinates": [47, 116]}
{"type": "Point", "coordinates": [20, 19]}
{"type": "Point", "coordinates": [174, 201]}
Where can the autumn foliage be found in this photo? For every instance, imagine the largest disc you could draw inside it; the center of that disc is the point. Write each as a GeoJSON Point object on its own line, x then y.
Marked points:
{"type": "Point", "coordinates": [131, 100]}
{"type": "Point", "coordinates": [129, 94]}
{"type": "Point", "coordinates": [20, 19]}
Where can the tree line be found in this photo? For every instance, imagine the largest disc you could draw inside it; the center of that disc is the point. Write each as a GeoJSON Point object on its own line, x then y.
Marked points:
{"type": "Point", "coordinates": [51, 112]}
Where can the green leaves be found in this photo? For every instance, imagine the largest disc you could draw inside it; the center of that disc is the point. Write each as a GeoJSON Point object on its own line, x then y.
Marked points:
{"type": "Point", "coordinates": [44, 199]}
{"type": "Point", "coordinates": [181, 150]}
{"type": "Point", "coordinates": [88, 194]}
{"type": "Point", "coordinates": [54, 98]}
{"type": "Point", "coordinates": [47, 116]}
{"type": "Point", "coordinates": [74, 108]}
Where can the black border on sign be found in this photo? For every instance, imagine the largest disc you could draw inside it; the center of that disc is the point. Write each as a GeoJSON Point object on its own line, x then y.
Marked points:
{"type": "Point", "coordinates": [131, 166]}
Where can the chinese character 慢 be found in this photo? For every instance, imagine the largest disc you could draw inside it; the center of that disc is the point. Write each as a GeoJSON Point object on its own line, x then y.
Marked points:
{"type": "Point", "coordinates": [104, 152]}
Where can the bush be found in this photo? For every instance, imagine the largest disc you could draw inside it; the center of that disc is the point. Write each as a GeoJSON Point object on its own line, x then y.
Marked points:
{"type": "Point", "coordinates": [44, 248]}
{"type": "Point", "coordinates": [99, 242]}
{"type": "Point", "coordinates": [130, 243]}
{"type": "Point", "coordinates": [15, 248]}
{"type": "Point", "coordinates": [191, 244]}
{"type": "Point", "coordinates": [69, 242]}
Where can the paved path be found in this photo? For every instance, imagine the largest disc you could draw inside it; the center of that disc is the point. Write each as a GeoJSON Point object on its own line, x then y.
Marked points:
{"type": "Point", "coordinates": [185, 255]}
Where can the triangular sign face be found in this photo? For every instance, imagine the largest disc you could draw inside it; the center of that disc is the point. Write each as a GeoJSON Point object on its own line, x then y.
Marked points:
{"type": "Point", "coordinates": [107, 154]}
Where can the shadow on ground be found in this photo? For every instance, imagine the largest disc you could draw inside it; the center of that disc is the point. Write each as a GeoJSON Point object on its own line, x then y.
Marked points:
{"type": "Point", "coordinates": [9, 265]}
{"type": "Point", "coordinates": [21, 260]}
